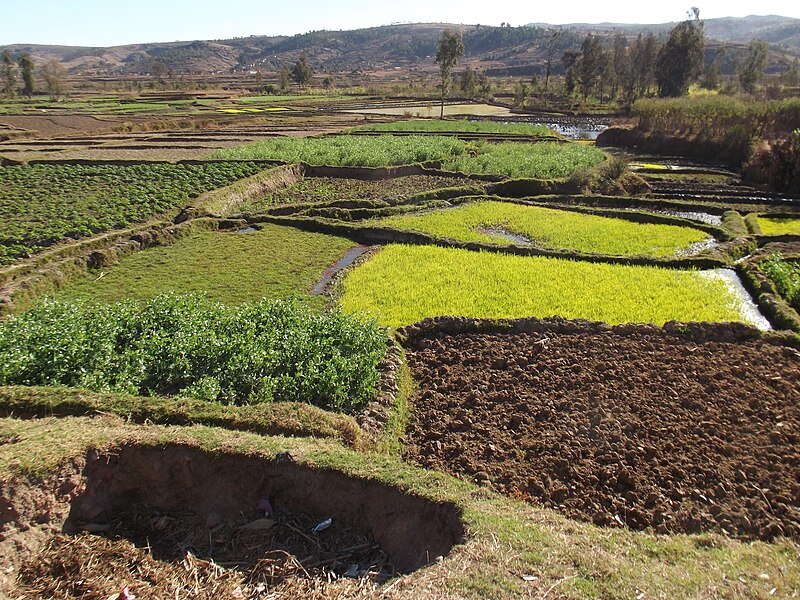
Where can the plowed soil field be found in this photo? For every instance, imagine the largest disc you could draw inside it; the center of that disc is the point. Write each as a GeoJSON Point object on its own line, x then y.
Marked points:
{"type": "Point", "coordinates": [648, 431]}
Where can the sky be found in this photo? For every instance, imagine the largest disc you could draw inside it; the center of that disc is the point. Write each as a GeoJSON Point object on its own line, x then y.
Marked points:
{"type": "Point", "coordinates": [111, 22]}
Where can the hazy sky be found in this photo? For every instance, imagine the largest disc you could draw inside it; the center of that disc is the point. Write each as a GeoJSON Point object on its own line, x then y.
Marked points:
{"type": "Point", "coordinates": [111, 22]}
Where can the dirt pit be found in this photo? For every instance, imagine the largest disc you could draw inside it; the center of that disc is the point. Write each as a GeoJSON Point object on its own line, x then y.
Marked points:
{"type": "Point", "coordinates": [636, 428]}
{"type": "Point", "coordinates": [178, 521]}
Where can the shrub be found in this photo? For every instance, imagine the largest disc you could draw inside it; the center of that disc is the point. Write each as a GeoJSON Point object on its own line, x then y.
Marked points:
{"type": "Point", "coordinates": [191, 346]}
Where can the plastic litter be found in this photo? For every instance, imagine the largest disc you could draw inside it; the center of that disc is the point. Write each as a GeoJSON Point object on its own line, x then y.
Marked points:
{"type": "Point", "coordinates": [322, 525]}
{"type": "Point", "coordinates": [352, 572]}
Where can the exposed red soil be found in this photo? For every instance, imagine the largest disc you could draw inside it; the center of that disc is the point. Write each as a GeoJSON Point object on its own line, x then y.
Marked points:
{"type": "Point", "coordinates": [647, 430]}
{"type": "Point", "coordinates": [57, 124]}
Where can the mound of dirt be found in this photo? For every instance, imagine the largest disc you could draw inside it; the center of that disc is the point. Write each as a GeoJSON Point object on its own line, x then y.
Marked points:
{"type": "Point", "coordinates": [180, 521]}
{"type": "Point", "coordinates": [649, 431]}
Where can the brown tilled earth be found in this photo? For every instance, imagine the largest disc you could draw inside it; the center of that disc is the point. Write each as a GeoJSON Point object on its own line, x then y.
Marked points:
{"type": "Point", "coordinates": [652, 432]}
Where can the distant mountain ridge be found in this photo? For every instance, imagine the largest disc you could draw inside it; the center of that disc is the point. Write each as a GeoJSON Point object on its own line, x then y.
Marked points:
{"type": "Point", "coordinates": [774, 29]}
{"type": "Point", "coordinates": [406, 47]}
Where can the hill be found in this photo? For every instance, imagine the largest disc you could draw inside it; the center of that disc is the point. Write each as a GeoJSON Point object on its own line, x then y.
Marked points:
{"type": "Point", "coordinates": [518, 51]}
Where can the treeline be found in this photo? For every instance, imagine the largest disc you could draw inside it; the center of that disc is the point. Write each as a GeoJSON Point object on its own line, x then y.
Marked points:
{"type": "Point", "coordinates": [18, 75]}
{"type": "Point", "coordinates": [621, 69]}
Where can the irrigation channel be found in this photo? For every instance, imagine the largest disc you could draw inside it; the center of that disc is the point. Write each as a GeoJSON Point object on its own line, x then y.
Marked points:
{"type": "Point", "coordinates": [571, 127]}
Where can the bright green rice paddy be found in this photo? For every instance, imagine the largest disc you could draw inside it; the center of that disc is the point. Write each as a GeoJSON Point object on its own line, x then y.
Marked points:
{"type": "Point", "coordinates": [549, 228]}
{"type": "Point", "coordinates": [404, 284]}
{"type": "Point", "coordinates": [779, 225]}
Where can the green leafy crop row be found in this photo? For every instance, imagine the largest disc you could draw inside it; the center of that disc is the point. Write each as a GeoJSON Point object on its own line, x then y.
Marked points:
{"type": "Point", "coordinates": [352, 151]}
{"type": "Point", "coordinates": [42, 204]}
{"type": "Point", "coordinates": [786, 277]}
{"type": "Point", "coordinates": [544, 160]}
{"type": "Point", "coordinates": [190, 346]}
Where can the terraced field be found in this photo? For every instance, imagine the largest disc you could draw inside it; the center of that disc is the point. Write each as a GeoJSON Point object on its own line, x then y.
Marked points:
{"type": "Point", "coordinates": [228, 266]}
{"type": "Point", "coordinates": [45, 203]}
{"type": "Point", "coordinates": [327, 408]}
{"type": "Point", "coordinates": [779, 225]}
{"type": "Point", "coordinates": [491, 221]}
{"type": "Point", "coordinates": [404, 284]}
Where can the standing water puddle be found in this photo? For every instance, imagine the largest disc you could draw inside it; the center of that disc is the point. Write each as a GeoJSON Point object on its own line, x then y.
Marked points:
{"type": "Point", "coordinates": [743, 302]}
{"type": "Point", "coordinates": [505, 234]}
{"type": "Point", "coordinates": [703, 217]}
{"type": "Point", "coordinates": [330, 272]}
{"type": "Point", "coordinates": [697, 247]}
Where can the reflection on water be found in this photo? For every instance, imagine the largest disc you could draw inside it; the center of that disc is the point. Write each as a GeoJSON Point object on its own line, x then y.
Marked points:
{"type": "Point", "coordinates": [574, 128]}
{"type": "Point", "coordinates": [743, 301]}
{"type": "Point", "coordinates": [330, 272]}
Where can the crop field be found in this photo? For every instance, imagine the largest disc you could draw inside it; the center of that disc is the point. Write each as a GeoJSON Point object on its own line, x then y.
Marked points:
{"type": "Point", "coordinates": [43, 204]}
{"type": "Point", "coordinates": [329, 189]}
{"type": "Point", "coordinates": [543, 160]}
{"type": "Point", "coordinates": [404, 284]}
{"type": "Point", "coordinates": [242, 406]}
{"type": "Point", "coordinates": [191, 346]}
{"type": "Point", "coordinates": [646, 392]}
{"type": "Point", "coordinates": [349, 150]}
{"type": "Point", "coordinates": [549, 228]}
{"type": "Point", "coordinates": [779, 225]}
{"type": "Point", "coordinates": [273, 262]}
{"type": "Point", "coordinates": [785, 274]}
{"type": "Point", "coordinates": [457, 126]}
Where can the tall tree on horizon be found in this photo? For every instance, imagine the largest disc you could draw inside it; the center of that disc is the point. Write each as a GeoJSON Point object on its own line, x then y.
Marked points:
{"type": "Point", "coordinates": [26, 65]}
{"type": "Point", "coordinates": [590, 66]}
{"type": "Point", "coordinates": [53, 74]}
{"type": "Point", "coordinates": [301, 72]}
{"type": "Point", "coordinates": [681, 58]}
{"type": "Point", "coordinates": [752, 69]}
{"type": "Point", "coordinates": [552, 46]}
{"type": "Point", "coordinates": [448, 53]}
{"type": "Point", "coordinates": [9, 75]}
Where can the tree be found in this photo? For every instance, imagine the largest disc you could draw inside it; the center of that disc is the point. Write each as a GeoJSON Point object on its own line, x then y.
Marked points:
{"type": "Point", "coordinates": [53, 74]}
{"type": "Point", "coordinates": [448, 53]}
{"type": "Point", "coordinates": [520, 93]}
{"type": "Point", "coordinates": [621, 64]}
{"type": "Point", "coordinates": [711, 77]}
{"type": "Point", "coordinates": [259, 80]}
{"type": "Point", "coordinates": [793, 73]}
{"type": "Point", "coordinates": [283, 78]}
{"type": "Point", "coordinates": [552, 45]}
{"type": "Point", "coordinates": [643, 64]}
{"type": "Point", "coordinates": [26, 65]}
{"type": "Point", "coordinates": [681, 58]}
{"type": "Point", "coordinates": [590, 65]}
{"type": "Point", "coordinates": [469, 82]}
{"type": "Point", "coordinates": [569, 61]}
{"type": "Point", "coordinates": [301, 71]}
{"type": "Point", "coordinates": [158, 70]}
{"type": "Point", "coordinates": [752, 69]}
{"type": "Point", "coordinates": [9, 75]}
